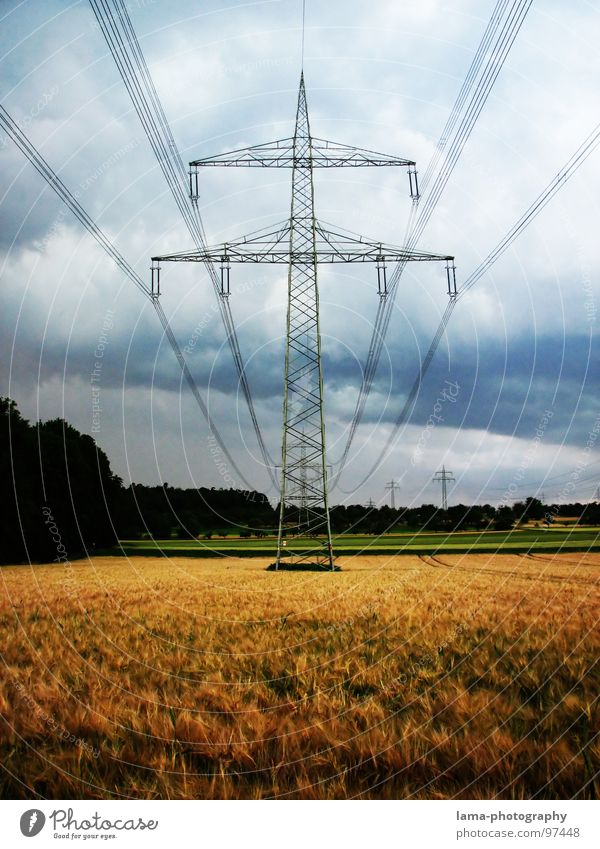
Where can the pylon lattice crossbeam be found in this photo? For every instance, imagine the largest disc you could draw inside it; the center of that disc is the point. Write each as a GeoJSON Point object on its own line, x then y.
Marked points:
{"type": "Point", "coordinates": [272, 245]}
{"type": "Point", "coordinates": [284, 154]}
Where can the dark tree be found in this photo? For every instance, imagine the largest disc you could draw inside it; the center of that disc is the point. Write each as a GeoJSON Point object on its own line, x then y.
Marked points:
{"type": "Point", "coordinates": [530, 509]}
{"type": "Point", "coordinates": [59, 491]}
{"type": "Point", "coordinates": [504, 519]}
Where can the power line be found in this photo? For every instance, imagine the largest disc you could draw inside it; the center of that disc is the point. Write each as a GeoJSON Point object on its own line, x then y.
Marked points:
{"type": "Point", "coordinates": [566, 172]}
{"type": "Point", "coordinates": [131, 64]}
{"type": "Point", "coordinates": [414, 390]}
{"type": "Point", "coordinates": [504, 42]}
{"type": "Point", "coordinates": [55, 183]}
{"type": "Point", "coordinates": [490, 73]}
{"type": "Point", "coordinates": [303, 27]}
{"type": "Point", "coordinates": [544, 482]}
{"type": "Point", "coordinates": [492, 67]}
{"type": "Point", "coordinates": [480, 54]}
{"type": "Point", "coordinates": [556, 487]}
{"type": "Point", "coordinates": [575, 162]}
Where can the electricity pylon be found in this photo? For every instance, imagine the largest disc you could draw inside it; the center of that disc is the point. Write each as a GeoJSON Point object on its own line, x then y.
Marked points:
{"type": "Point", "coordinates": [302, 242]}
{"type": "Point", "coordinates": [392, 486]}
{"type": "Point", "coordinates": [304, 468]}
{"type": "Point", "coordinates": [444, 476]}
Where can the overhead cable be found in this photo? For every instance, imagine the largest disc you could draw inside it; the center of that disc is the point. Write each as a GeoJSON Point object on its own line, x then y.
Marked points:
{"type": "Point", "coordinates": [54, 181]}
{"type": "Point", "coordinates": [505, 24]}
{"type": "Point", "coordinates": [129, 59]}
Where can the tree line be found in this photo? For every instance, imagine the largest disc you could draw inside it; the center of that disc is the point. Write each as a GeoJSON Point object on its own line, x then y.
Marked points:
{"type": "Point", "coordinates": [58, 490]}
{"type": "Point", "coordinates": [61, 499]}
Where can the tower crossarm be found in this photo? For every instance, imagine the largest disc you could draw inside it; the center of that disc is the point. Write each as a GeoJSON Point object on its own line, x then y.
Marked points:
{"type": "Point", "coordinates": [281, 154]}
{"type": "Point", "coordinates": [272, 245]}
{"type": "Point", "coordinates": [321, 153]}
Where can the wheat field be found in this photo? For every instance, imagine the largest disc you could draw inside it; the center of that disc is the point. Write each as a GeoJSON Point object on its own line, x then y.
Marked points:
{"type": "Point", "coordinates": [458, 676]}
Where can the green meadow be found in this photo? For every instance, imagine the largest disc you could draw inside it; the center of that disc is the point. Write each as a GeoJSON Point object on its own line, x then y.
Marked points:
{"type": "Point", "coordinates": [418, 542]}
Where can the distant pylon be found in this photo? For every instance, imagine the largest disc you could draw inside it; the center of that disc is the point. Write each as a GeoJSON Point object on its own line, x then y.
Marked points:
{"type": "Point", "coordinates": [392, 486]}
{"type": "Point", "coordinates": [444, 476]}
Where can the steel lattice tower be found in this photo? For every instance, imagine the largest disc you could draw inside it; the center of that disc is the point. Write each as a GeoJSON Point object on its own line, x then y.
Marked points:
{"type": "Point", "coordinates": [444, 477]}
{"type": "Point", "coordinates": [304, 469]}
{"type": "Point", "coordinates": [301, 243]}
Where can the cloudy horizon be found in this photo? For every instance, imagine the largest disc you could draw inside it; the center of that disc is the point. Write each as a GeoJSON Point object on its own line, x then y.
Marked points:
{"type": "Point", "coordinates": [520, 351]}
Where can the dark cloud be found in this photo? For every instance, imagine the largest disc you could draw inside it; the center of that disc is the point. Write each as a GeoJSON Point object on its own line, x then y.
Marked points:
{"type": "Point", "coordinates": [227, 77]}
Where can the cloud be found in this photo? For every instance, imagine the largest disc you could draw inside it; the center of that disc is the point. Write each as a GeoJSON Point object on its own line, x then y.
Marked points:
{"type": "Point", "coordinates": [383, 77]}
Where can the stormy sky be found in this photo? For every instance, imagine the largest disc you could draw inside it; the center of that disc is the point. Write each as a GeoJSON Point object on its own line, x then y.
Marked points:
{"type": "Point", "coordinates": [521, 351]}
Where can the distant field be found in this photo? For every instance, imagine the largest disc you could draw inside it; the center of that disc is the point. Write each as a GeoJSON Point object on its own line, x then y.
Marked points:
{"type": "Point", "coordinates": [565, 539]}
{"type": "Point", "coordinates": [444, 676]}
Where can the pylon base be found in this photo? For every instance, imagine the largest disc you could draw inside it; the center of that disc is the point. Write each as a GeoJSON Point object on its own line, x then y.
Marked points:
{"type": "Point", "coordinates": [290, 566]}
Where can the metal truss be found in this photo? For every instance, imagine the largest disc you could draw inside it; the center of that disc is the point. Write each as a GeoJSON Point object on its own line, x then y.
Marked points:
{"type": "Point", "coordinates": [302, 243]}
{"type": "Point", "coordinates": [304, 507]}
{"type": "Point", "coordinates": [321, 153]}
{"type": "Point", "coordinates": [272, 245]}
